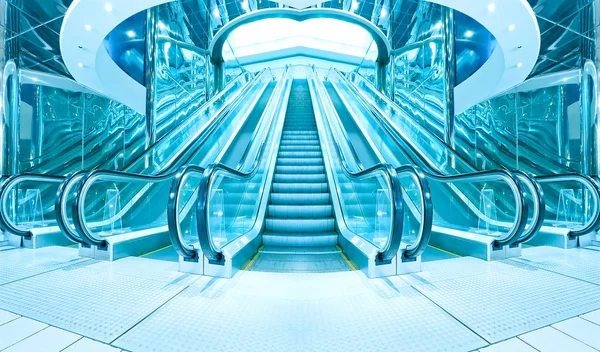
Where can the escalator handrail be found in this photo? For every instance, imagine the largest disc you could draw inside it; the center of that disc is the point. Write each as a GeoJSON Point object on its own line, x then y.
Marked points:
{"type": "Point", "coordinates": [5, 220]}
{"type": "Point", "coordinates": [208, 174]}
{"type": "Point", "coordinates": [510, 178]}
{"type": "Point", "coordinates": [60, 205]}
{"type": "Point", "coordinates": [539, 207]}
{"type": "Point", "coordinates": [390, 250]}
{"type": "Point", "coordinates": [592, 185]}
{"type": "Point", "coordinates": [84, 184]}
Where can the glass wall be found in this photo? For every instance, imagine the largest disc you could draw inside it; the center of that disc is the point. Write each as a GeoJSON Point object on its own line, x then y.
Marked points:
{"type": "Point", "coordinates": [64, 130]}
{"type": "Point", "coordinates": [535, 130]}
{"type": "Point", "coordinates": [419, 74]}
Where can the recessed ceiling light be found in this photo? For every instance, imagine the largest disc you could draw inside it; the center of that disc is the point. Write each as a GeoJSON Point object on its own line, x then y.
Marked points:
{"type": "Point", "coordinates": [88, 27]}
{"type": "Point", "coordinates": [108, 7]}
{"type": "Point", "coordinates": [520, 64]}
{"type": "Point", "coordinates": [469, 34]}
{"type": "Point", "coordinates": [216, 12]}
{"type": "Point", "coordinates": [383, 12]}
{"type": "Point", "coordinates": [511, 27]}
{"type": "Point", "coordinates": [245, 5]}
{"type": "Point", "coordinates": [491, 7]}
{"type": "Point", "coordinates": [355, 5]}
{"type": "Point", "coordinates": [130, 34]}
{"type": "Point", "coordinates": [80, 65]}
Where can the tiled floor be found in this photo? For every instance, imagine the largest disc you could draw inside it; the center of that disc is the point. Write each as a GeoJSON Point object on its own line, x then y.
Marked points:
{"type": "Point", "coordinates": [547, 300]}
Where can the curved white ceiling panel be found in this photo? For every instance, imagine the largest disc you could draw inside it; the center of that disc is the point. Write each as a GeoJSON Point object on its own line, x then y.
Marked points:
{"type": "Point", "coordinates": [85, 25]}
{"type": "Point", "coordinates": [513, 24]}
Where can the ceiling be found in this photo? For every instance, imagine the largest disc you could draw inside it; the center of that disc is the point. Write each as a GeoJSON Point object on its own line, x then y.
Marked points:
{"type": "Point", "coordinates": [566, 26]}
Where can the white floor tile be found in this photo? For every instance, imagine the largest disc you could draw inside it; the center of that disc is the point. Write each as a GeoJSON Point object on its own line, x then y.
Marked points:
{"type": "Point", "coordinates": [87, 345]}
{"type": "Point", "coordinates": [512, 345]}
{"type": "Point", "coordinates": [17, 330]}
{"type": "Point", "coordinates": [594, 317]}
{"type": "Point", "coordinates": [50, 339]}
{"type": "Point", "coordinates": [5, 317]}
{"type": "Point", "coordinates": [582, 330]}
{"type": "Point", "coordinates": [549, 339]}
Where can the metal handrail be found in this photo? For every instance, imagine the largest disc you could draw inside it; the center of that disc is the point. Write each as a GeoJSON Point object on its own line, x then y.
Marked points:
{"type": "Point", "coordinates": [390, 250]}
{"type": "Point", "coordinates": [511, 179]}
{"type": "Point", "coordinates": [208, 174]}
{"type": "Point", "coordinates": [5, 220]}
{"type": "Point", "coordinates": [86, 181]}
{"type": "Point", "coordinates": [60, 205]}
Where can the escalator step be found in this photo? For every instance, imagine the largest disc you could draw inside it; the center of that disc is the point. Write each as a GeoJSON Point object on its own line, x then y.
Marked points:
{"type": "Point", "coordinates": [300, 240]}
{"type": "Point", "coordinates": [299, 187]}
{"type": "Point", "coordinates": [300, 211]}
{"type": "Point", "coordinates": [300, 198]}
{"type": "Point", "coordinates": [300, 225]}
{"type": "Point", "coordinates": [299, 161]}
{"type": "Point", "coordinates": [298, 178]}
{"type": "Point", "coordinates": [291, 169]}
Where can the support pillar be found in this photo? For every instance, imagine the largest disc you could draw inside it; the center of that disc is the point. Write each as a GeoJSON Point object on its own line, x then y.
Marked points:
{"type": "Point", "coordinates": [219, 75]}
{"type": "Point", "coordinates": [380, 77]}
{"type": "Point", "coordinates": [150, 62]}
{"type": "Point", "coordinates": [450, 73]}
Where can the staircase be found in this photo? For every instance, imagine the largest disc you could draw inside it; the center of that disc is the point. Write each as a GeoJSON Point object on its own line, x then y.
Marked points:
{"type": "Point", "coordinates": [300, 215]}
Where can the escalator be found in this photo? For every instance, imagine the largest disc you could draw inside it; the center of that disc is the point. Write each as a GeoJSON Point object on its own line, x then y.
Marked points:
{"type": "Point", "coordinates": [35, 193]}
{"type": "Point", "coordinates": [300, 228]}
{"type": "Point", "coordinates": [554, 187]}
{"type": "Point", "coordinates": [320, 202]}
{"type": "Point", "coordinates": [483, 214]}
{"type": "Point", "coordinates": [119, 214]}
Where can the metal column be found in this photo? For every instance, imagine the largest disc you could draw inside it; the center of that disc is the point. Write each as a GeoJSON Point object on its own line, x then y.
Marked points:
{"type": "Point", "coordinates": [450, 73]}
{"type": "Point", "coordinates": [150, 62]}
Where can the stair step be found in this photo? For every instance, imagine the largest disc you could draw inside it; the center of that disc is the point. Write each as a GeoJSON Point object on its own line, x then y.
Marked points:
{"type": "Point", "coordinates": [300, 178]}
{"type": "Point", "coordinates": [300, 211]}
{"type": "Point", "coordinates": [300, 225]}
{"type": "Point", "coordinates": [300, 250]}
{"type": "Point", "coordinates": [294, 148]}
{"type": "Point", "coordinates": [299, 161]}
{"type": "Point", "coordinates": [299, 198]}
{"type": "Point", "coordinates": [300, 142]}
{"type": "Point", "coordinates": [300, 240]}
{"type": "Point", "coordinates": [299, 187]}
{"type": "Point", "coordinates": [294, 169]}
{"type": "Point", "coordinates": [300, 154]}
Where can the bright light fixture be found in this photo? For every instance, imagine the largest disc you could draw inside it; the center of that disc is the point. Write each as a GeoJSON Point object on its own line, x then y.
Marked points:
{"type": "Point", "coordinates": [88, 27]}
{"type": "Point", "coordinates": [108, 7]}
{"type": "Point", "coordinates": [245, 5]}
{"type": "Point", "coordinates": [383, 12]}
{"type": "Point", "coordinates": [216, 12]}
{"type": "Point", "coordinates": [491, 7]}
{"type": "Point", "coordinates": [511, 27]}
{"type": "Point", "coordinates": [130, 34]}
{"type": "Point", "coordinates": [520, 64]}
{"type": "Point", "coordinates": [354, 5]}
{"type": "Point", "coordinates": [80, 65]}
{"type": "Point", "coordinates": [469, 34]}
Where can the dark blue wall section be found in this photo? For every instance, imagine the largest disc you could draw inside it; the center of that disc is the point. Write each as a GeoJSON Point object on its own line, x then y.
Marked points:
{"type": "Point", "coordinates": [126, 45]}
{"type": "Point", "coordinates": [474, 46]}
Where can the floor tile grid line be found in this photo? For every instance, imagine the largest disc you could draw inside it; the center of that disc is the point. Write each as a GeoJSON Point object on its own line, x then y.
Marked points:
{"type": "Point", "coordinates": [445, 311]}
{"type": "Point", "coordinates": [85, 260]}
{"type": "Point", "coordinates": [573, 337]}
{"type": "Point", "coordinates": [516, 260]}
{"type": "Point", "coordinates": [154, 311]}
{"type": "Point", "coordinates": [525, 342]}
{"type": "Point", "coordinates": [26, 337]}
{"type": "Point", "coordinates": [586, 319]}
{"type": "Point", "coordinates": [17, 317]}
